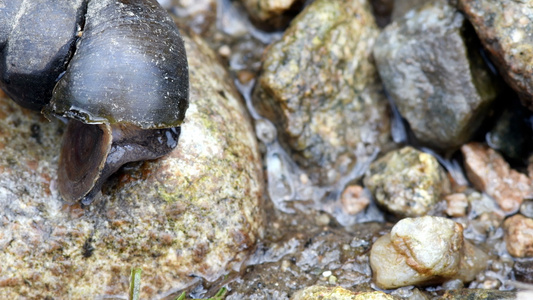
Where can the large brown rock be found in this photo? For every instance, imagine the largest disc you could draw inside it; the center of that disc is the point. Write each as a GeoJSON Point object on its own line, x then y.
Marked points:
{"type": "Point", "coordinates": [320, 88]}
{"type": "Point", "coordinates": [194, 213]}
{"type": "Point", "coordinates": [504, 28]}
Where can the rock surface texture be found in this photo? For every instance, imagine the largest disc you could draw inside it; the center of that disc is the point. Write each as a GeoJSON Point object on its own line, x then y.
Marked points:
{"type": "Point", "coordinates": [504, 28]}
{"type": "Point", "coordinates": [407, 182]}
{"type": "Point", "coordinates": [193, 213]}
{"type": "Point", "coordinates": [489, 172]}
{"type": "Point", "coordinates": [519, 236]}
{"type": "Point", "coordinates": [272, 13]}
{"type": "Point", "coordinates": [320, 87]}
{"type": "Point", "coordinates": [337, 293]}
{"type": "Point", "coordinates": [435, 74]}
{"type": "Point", "coordinates": [425, 250]}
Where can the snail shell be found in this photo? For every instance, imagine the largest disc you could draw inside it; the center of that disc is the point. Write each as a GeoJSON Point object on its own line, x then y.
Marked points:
{"type": "Point", "coordinates": [31, 59]}
{"type": "Point", "coordinates": [129, 67]}
{"type": "Point", "coordinates": [119, 74]}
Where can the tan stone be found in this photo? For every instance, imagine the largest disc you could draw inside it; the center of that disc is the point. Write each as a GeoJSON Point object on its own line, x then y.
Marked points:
{"type": "Point", "coordinates": [490, 173]}
{"type": "Point", "coordinates": [457, 205]}
{"type": "Point", "coordinates": [354, 199]}
{"type": "Point", "coordinates": [519, 236]}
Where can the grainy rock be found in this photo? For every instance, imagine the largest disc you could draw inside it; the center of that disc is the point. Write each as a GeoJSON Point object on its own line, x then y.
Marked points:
{"type": "Point", "coordinates": [479, 294]}
{"type": "Point", "coordinates": [193, 213]}
{"type": "Point", "coordinates": [438, 81]}
{"type": "Point", "coordinates": [317, 292]}
{"type": "Point", "coordinates": [272, 14]}
{"type": "Point", "coordinates": [504, 28]}
{"type": "Point", "coordinates": [519, 236]}
{"type": "Point", "coordinates": [457, 205]}
{"type": "Point", "coordinates": [320, 87]}
{"type": "Point", "coordinates": [407, 182]}
{"type": "Point", "coordinates": [306, 256]}
{"type": "Point", "coordinates": [354, 199]}
{"type": "Point", "coordinates": [489, 172]}
{"type": "Point", "coordinates": [425, 250]}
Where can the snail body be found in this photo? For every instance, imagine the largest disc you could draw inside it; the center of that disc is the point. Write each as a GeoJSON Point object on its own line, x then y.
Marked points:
{"type": "Point", "coordinates": [119, 74]}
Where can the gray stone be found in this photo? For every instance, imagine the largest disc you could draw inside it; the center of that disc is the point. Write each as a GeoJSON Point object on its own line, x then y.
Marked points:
{"type": "Point", "coordinates": [438, 81]}
{"type": "Point", "coordinates": [194, 213]}
{"type": "Point", "coordinates": [504, 28]}
{"type": "Point", "coordinates": [320, 88]}
{"type": "Point", "coordinates": [407, 182]}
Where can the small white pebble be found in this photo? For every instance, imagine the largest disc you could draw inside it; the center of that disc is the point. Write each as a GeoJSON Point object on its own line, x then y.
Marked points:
{"type": "Point", "coordinates": [326, 273]}
{"type": "Point", "coordinates": [224, 51]}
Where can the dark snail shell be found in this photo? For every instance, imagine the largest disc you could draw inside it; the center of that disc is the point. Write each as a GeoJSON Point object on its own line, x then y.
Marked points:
{"type": "Point", "coordinates": [129, 67]}
{"type": "Point", "coordinates": [119, 73]}
{"type": "Point", "coordinates": [91, 153]}
{"type": "Point", "coordinates": [36, 41]}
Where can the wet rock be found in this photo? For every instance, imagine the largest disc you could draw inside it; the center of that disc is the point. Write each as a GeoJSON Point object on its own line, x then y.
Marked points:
{"type": "Point", "coordinates": [272, 14]}
{"type": "Point", "coordinates": [489, 172]}
{"type": "Point", "coordinates": [519, 236]}
{"type": "Point", "coordinates": [337, 293]}
{"type": "Point", "coordinates": [523, 269]}
{"type": "Point", "coordinates": [306, 256]}
{"type": "Point", "coordinates": [402, 7]}
{"type": "Point", "coordinates": [192, 214]}
{"type": "Point", "coordinates": [435, 74]}
{"type": "Point", "coordinates": [526, 209]}
{"type": "Point", "coordinates": [320, 88]}
{"type": "Point", "coordinates": [425, 250]}
{"type": "Point", "coordinates": [198, 15]}
{"type": "Point", "coordinates": [479, 294]}
{"type": "Point", "coordinates": [512, 134]}
{"type": "Point", "coordinates": [457, 205]}
{"type": "Point", "coordinates": [504, 28]}
{"type": "Point", "coordinates": [407, 182]}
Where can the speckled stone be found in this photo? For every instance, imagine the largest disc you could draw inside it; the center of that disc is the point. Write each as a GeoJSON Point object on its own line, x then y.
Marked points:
{"type": "Point", "coordinates": [435, 74]}
{"type": "Point", "coordinates": [194, 213]}
{"type": "Point", "coordinates": [317, 292]}
{"type": "Point", "coordinates": [320, 88]}
{"type": "Point", "coordinates": [504, 28]}
{"type": "Point", "coordinates": [407, 182]}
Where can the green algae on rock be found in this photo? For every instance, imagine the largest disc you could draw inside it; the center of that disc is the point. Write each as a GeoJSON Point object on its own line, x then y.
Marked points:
{"type": "Point", "coordinates": [431, 66]}
{"type": "Point", "coordinates": [320, 88]}
{"type": "Point", "coordinates": [407, 182]}
{"type": "Point", "coordinates": [195, 213]}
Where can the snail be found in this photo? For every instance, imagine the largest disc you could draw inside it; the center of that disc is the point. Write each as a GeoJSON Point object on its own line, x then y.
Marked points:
{"type": "Point", "coordinates": [115, 69]}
